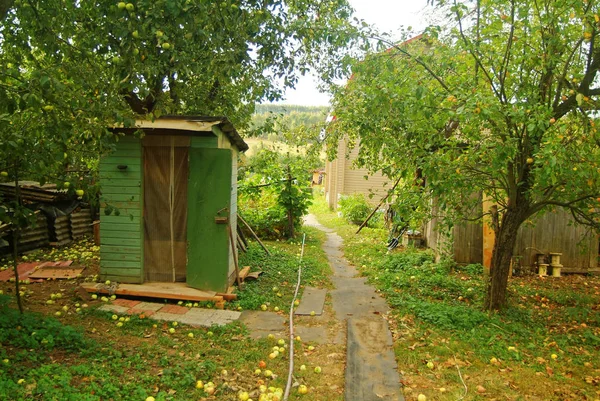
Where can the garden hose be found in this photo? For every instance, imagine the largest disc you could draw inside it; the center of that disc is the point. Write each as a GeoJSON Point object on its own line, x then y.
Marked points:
{"type": "Point", "coordinates": [288, 386]}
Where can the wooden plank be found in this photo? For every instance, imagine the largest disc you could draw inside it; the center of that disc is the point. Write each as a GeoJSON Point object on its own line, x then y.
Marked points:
{"type": "Point", "coordinates": [244, 272]}
{"type": "Point", "coordinates": [108, 165]}
{"type": "Point", "coordinates": [129, 226]}
{"type": "Point", "coordinates": [229, 295]}
{"type": "Point", "coordinates": [121, 272]}
{"type": "Point", "coordinates": [120, 174]}
{"type": "Point", "coordinates": [61, 273]}
{"type": "Point", "coordinates": [120, 249]}
{"type": "Point", "coordinates": [130, 257]}
{"type": "Point", "coordinates": [118, 264]}
{"type": "Point", "coordinates": [125, 212]}
{"type": "Point", "coordinates": [126, 198]}
{"type": "Point", "coordinates": [129, 161]}
{"type": "Point", "coordinates": [119, 241]}
{"type": "Point", "coordinates": [110, 232]}
{"type": "Point", "coordinates": [133, 279]}
{"type": "Point", "coordinates": [110, 185]}
{"type": "Point", "coordinates": [158, 290]}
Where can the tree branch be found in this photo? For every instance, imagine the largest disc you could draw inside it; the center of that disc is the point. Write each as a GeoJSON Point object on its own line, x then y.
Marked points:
{"type": "Point", "coordinates": [418, 60]}
{"type": "Point", "coordinates": [5, 5]}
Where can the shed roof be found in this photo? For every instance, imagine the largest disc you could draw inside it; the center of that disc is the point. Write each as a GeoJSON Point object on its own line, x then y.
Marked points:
{"type": "Point", "coordinates": [196, 123]}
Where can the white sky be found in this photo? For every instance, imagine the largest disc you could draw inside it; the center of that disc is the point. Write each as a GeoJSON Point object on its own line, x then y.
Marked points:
{"type": "Point", "coordinates": [386, 15]}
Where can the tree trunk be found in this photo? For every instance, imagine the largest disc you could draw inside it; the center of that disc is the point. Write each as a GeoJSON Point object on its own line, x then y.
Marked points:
{"type": "Point", "coordinates": [506, 237]}
{"type": "Point", "coordinates": [16, 236]}
{"type": "Point", "coordinates": [290, 210]}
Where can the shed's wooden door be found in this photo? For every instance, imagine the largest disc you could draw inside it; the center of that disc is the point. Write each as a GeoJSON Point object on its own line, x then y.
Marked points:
{"type": "Point", "coordinates": [209, 191]}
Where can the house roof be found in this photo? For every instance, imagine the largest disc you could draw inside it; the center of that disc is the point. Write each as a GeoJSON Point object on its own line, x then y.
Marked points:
{"type": "Point", "coordinates": [198, 124]}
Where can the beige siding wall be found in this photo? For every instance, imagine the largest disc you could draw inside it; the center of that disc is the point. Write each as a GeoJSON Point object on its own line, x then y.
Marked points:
{"type": "Point", "coordinates": [343, 178]}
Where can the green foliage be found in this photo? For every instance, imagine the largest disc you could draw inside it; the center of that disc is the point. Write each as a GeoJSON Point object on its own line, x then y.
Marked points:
{"type": "Point", "coordinates": [33, 331]}
{"type": "Point", "coordinates": [268, 191]}
{"type": "Point", "coordinates": [506, 106]}
{"type": "Point", "coordinates": [355, 208]}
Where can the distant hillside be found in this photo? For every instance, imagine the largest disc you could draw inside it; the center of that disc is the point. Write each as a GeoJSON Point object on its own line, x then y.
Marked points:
{"type": "Point", "coordinates": [286, 119]}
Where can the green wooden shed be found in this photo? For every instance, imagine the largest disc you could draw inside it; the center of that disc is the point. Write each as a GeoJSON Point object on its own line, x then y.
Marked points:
{"type": "Point", "coordinates": [167, 198]}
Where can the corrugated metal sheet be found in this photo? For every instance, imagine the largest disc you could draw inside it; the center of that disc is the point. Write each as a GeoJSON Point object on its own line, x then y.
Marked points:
{"type": "Point", "coordinates": [81, 223]}
{"type": "Point", "coordinates": [60, 231]}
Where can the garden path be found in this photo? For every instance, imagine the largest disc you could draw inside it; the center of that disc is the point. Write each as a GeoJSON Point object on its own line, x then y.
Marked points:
{"type": "Point", "coordinates": [371, 368]}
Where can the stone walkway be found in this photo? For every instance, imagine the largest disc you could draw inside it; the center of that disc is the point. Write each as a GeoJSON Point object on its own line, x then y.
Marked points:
{"type": "Point", "coordinates": [371, 368]}
{"type": "Point", "coordinates": [172, 313]}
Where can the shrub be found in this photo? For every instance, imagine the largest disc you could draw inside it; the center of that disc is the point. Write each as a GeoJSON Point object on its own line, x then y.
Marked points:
{"type": "Point", "coordinates": [355, 208]}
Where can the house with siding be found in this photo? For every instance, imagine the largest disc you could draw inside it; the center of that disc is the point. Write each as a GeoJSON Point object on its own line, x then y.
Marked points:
{"type": "Point", "coordinates": [343, 177]}
{"type": "Point", "coordinates": [168, 202]}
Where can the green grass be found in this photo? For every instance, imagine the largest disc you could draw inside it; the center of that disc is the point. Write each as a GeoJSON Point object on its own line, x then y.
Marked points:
{"type": "Point", "coordinates": [438, 311]}
{"type": "Point", "coordinates": [87, 356]}
{"type": "Point", "coordinates": [275, 288]}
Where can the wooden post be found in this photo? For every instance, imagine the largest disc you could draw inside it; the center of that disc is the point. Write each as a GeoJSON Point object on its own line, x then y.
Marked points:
{"type": "Point", "coordinates": [489, 235]}
{"type": "Point", "coordinates": [235, 261]}
{"type": "Point", "coordinates": [378, 206]}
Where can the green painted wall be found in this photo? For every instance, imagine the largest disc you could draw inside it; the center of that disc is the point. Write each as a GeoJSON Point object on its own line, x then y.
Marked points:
{"type": "Point", "coordinates": [121, 234]}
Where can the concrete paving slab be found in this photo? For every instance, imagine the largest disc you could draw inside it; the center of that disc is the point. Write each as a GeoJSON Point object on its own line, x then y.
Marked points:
{"type": "Point", "coordinates": [114, 308]}
{"type": "Point", "coordinates": [313, 300]}
{"type": "Point", "coordinates": [371, 373]}
{"type": "Point", "coordinates": [149, 306]}
{"type": "Point", "coordinates": [200, 317]}
{"type": "Point", "coordinates": [317, 334]}
{"type": "Point", "coordinates": [261, 324]}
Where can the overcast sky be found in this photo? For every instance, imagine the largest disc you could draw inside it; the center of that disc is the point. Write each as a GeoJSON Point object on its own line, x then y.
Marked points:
{"type": "Point", "coordinates": [386, 15]}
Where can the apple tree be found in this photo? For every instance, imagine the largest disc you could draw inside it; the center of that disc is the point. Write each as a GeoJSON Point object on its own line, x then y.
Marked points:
{"type": "Point", "coordinates": [70, 69]}
{"type": "Point", "coordinates": [503, 102]}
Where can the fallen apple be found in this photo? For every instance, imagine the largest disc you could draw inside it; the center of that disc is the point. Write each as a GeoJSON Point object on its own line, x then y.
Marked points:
{"type": "Point", "coordinates": [318, 369]}
{"type": "Point", "coordinates": [200, 384]}
{"type": "Point", "coordinates": [311, 348]}
{"type": "Point", "coordinates": [421, 397]}
{"type": "Point", "coordinates": [263, 307]}
{"type": "Point", "coordinates": [150, 399]}
{"type": "Point", "coordinates": [262, 364]}
{"type": "Point", "coordinates": [430, 365]}
{"type": "Point", "coordinates": [115, 317]}
{"type": "Point", "coordinates": [302, 367]}
{"type": "Point", "coordinates": [302, 389]}
{"type": "Point", "coordinates": [191, 335]}
{"type": "Point", "coordinates": [243, 396]}
{"type": "Point", "coordinates": [281, 341]}
{"type": "Point", "coordinates": [171, 330]}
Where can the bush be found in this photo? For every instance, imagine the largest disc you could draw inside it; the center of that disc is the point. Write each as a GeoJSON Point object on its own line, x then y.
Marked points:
{"type": "Point", "coordinates": [355, 208]}
{"type": "Point", "coordinates": [267, 218]}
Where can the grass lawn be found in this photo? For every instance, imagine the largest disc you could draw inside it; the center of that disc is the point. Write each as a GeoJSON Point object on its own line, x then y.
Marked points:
{"type": "Point", "coordinates": [544, 346]}
{"type": "Point", "coordinates": [68, 350]}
